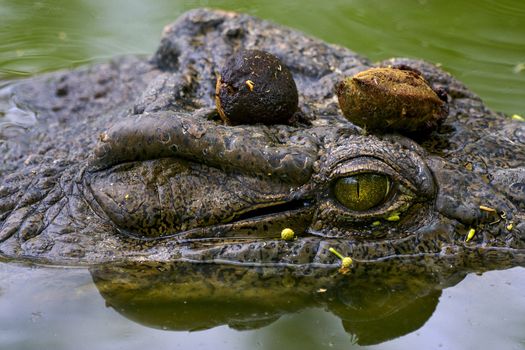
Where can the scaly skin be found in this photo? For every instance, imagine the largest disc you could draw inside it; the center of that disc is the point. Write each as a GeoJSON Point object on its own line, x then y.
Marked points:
{"type": "Point", "coordinates": [128, 161]}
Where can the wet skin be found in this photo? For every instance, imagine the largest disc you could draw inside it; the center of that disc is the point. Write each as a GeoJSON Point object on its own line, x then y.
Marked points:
{"type": "Point", "coordinates": [129, 161]}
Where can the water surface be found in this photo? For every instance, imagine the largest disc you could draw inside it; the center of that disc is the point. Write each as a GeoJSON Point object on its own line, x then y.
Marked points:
{"type": "Point", "coordinates": [481, 42]}
{"type": "Point", "coordinates": [43, 308]}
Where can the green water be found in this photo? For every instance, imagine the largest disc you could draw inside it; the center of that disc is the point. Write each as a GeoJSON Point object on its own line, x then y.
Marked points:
{"type": "Point", "coordinates": [61, 309]}
{"type": "Point", "coordinates": [480, 42]}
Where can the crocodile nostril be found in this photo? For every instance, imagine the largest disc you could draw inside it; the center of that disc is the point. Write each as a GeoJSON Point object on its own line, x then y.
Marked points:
{"type": "Point", "coordinates": [467, 214]}
{"type": "Point", "coordinates": [511, 182]}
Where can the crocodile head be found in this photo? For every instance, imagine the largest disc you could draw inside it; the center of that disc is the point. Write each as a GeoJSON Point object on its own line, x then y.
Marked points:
{"type": "Point", "coordinates": [129, 161]}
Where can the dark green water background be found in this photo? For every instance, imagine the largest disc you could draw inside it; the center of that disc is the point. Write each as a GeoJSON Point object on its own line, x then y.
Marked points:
{"type": "Point", "coordinates": [480, 42]}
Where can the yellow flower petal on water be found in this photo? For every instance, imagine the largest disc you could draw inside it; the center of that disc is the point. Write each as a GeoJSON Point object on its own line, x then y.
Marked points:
{"type": "Point", "coordinates": [287, 234]}
{"type": "Point", "coordinates": [470, 234]}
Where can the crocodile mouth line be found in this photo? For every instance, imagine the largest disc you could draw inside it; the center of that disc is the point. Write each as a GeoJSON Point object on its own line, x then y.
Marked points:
{"type": "Point", "coordinates": [269, 210]}
{"type": "Point", "coordinates": [232, 228]}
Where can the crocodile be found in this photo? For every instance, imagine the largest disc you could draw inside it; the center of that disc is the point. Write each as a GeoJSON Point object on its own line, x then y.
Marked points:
{"type": "Point", "coordinates": [128, 161]}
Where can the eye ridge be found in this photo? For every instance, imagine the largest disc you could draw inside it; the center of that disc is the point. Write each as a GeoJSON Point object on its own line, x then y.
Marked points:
{"type": "Point", "coordinates": [363, 191]}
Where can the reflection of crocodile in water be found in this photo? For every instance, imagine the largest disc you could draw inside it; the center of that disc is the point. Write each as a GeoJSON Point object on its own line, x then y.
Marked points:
{"type": "Point", "coordinates": [188, 296]}
{"type": "Point", "coordinates": [169, 182]}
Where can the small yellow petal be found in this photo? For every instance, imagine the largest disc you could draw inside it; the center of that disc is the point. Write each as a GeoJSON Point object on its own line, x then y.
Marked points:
{"type": "Point", "coordinates": [394, 217]}
{"type": "Point", "coordinates": [484, 208]}
{"type": "Point", "coordinates": [470, 234]}
{"type": "Point", "coordinates": [518, 117]}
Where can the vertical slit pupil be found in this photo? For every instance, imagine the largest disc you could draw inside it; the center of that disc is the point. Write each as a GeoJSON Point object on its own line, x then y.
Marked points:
{"type": "Point", "coordinates": [363, 191]}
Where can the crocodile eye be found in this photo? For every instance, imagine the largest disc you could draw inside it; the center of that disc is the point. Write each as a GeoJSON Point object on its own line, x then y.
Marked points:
{"type": "Point", "coordinates": [363, 191]}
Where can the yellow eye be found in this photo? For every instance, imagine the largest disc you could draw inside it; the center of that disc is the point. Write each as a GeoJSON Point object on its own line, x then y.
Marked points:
{"type": "Point", "coordinates": [361, 192]}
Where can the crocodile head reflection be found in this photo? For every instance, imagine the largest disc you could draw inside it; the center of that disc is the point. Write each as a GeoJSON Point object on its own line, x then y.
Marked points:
{"type": "Point", "coordinates": [129, 161]}
{"type": "Point", "coordinates": [187, 296]}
